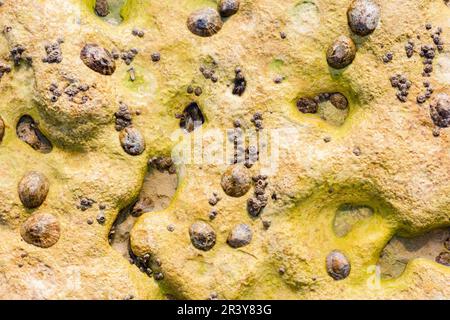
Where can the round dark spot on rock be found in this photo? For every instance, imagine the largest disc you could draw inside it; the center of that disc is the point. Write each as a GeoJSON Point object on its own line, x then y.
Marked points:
{"type": "Point", "coordinates": [240, 236]}
{"type": "Point", "coordinates": [338, 266]}
{"type": "Point", "coordinates": [228, 8]}
{"type": "Point", "coordinates": [339, 101]}
{"type": "Point", "coordinates": [363, 16]}
{"type": "Point", "coordinates": [98, 59]}
{"type": "Point", "coordinates": [236, 181]}
{"type": "Point", "coordinates": [41, 230]}
{"type": "Point", "coordinates": [307, 105]}
{"type": "Point", "coordinates": [33, 189]}
{"type": "Point", "coordinates": [341, 52]}
{"type": "Point", "coordinates": [132, 141]}
{"type": "Point", "coordinates": [202, 236]}
{"type": "Point", "coordinates": [204, 22]}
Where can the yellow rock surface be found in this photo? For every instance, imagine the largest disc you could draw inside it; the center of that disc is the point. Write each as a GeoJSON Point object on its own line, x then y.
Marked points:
{"type": "Point", "coordinates": [401, 171]}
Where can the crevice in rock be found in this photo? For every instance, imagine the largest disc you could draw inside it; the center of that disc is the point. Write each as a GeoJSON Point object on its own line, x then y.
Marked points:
{"type": "Point", "coordinates": [399, 251]}
{"type": "Point", "coordinates": [157, 191]}
{"type": "Point", "coordinates": [28, 131]}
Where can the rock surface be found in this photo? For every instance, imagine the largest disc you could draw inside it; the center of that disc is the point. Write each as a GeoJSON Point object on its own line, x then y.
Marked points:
{"type": "Point", "coordinates": [384, 155]}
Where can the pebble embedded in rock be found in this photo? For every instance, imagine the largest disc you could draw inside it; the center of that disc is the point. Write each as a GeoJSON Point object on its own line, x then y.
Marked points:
{"type": "Point", "coordinates": [307, 105]}
{"type": "Point", "coordinates": [338, 266]}
{"type": "Point", "coordinates": [98, 59]}
{"type": "Point", "coordinates": [339, 101]}
{"type": "Point", "coordinates": [227, 8]}
{"type": "Point", "coordinates": [202, 236]}
{"type": "Point", "coordinates": [236, 181]}
{"type": "Point", "coordinates": [27, 130]}
{"type": "Point", "coordinates": [341, 52]}
{"type": "Point", "coordinates": [33, 189]}
{"type": "Point", "coordinates": [363, 16]}
{"type": "Point", "coordinates": [240, 236]}
{"type": "Point", "coordinates": [205, 22]}
{"type": "Point", "coordinates": [132, 141]}
{"type": "Point", "coordinates": [41, 230]}
{"type": "Point", "coordinates": [101, 8]}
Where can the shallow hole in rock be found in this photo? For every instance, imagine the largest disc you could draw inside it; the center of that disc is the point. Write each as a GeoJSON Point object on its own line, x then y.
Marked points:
{"type": "Point", "coordinates": [157, 192]}
{"type": "Point", "coordinates": [192, 117]}
{"type": "Point", "coordinates": [433, 245]}
{"type": "Point", "coordinates": [347, 215]}
{"type": "Point", "coordinates": [110, 10]}
{"type": "Point", "coordinates": [28, 131]}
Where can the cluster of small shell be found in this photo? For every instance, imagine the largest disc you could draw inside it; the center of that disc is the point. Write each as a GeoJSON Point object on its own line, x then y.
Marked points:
{"type": "Point", "coordinates": [208, 21]}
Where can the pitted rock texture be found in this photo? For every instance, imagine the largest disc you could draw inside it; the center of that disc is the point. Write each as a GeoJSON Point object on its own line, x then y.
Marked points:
{"type": "Point", "coordinates": [384, 155]}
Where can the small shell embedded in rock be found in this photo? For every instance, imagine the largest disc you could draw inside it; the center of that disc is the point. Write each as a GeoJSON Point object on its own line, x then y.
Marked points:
{"type": "Point", "coordinates": [363, 16]}
{"type": "Point", "coordinates": [101, 8]}
{"type": "Point", "coordinates": [202, 236]}
{"type": "Point", "coordinates": [33, 189]}
{"type": "Point", "coordinates": [240, 236]}
{"type": "Point", "coordinates": [307, 105]}
{"type": "Point", "coordinates": [132, 141]}
{"type": "Point", "coordinates": [236, 181]}
{"type": "Point", "coordinates": [338, 266]}
{"type": "Point", "coordinates": [440, 110]}
{"type": "Point", "coordinates": [228, 8]}
{"type": "Point", "coordinates": [205, 22]}
{"type": "Point", "coordinates": [41, 230]}
{"type": "Point", "coordinates": [2, 129]}
{"type": "Point", "coordinates": [98, 59]}
{"type": "Point", "coordinates": [341, 52]}
{"type": "Point", "coordinates": [339, 101]}
{"type": "Point", "coordinates": [28, 131]}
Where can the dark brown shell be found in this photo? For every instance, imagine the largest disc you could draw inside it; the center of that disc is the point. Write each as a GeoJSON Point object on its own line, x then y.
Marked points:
{"type": "Point", "coordinates": [98, 59]}
{"type": "Point", "coordinates": [132, 141]}
{"type": "Point", "coordinates": [240, 236]}
{"type": "Point", "coordinates": [339, 101]}
{"type": "Point", "coordinates": [2, 129]}
{"type": "Point", "coordinates": [228, 8]}
{"type": "Point", "coordinates": [202, 236]}
{"type": "Point", "coordinates": [341, 52]}
{"type": "Point", "coordinates": [236, 181]}
{"type": "Point", "coordinates": [28, 131]}
{"type": "Point", "coordinates": [41, 230]}
{"type": "Point", "coordinates": [440, 110]}
{"type": "Point", "coordinates": [307, 105]}
{"type": "Point", "coordinates": [33, 189]}
{"type": "Point", "coordinates": [204, 22]}
{"type": "Point", "coordinates": [363, 16]}
{"type": "Point", "coordinates": [101, 8]}
{"type": "Point", "coordinates": [338, 266]}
